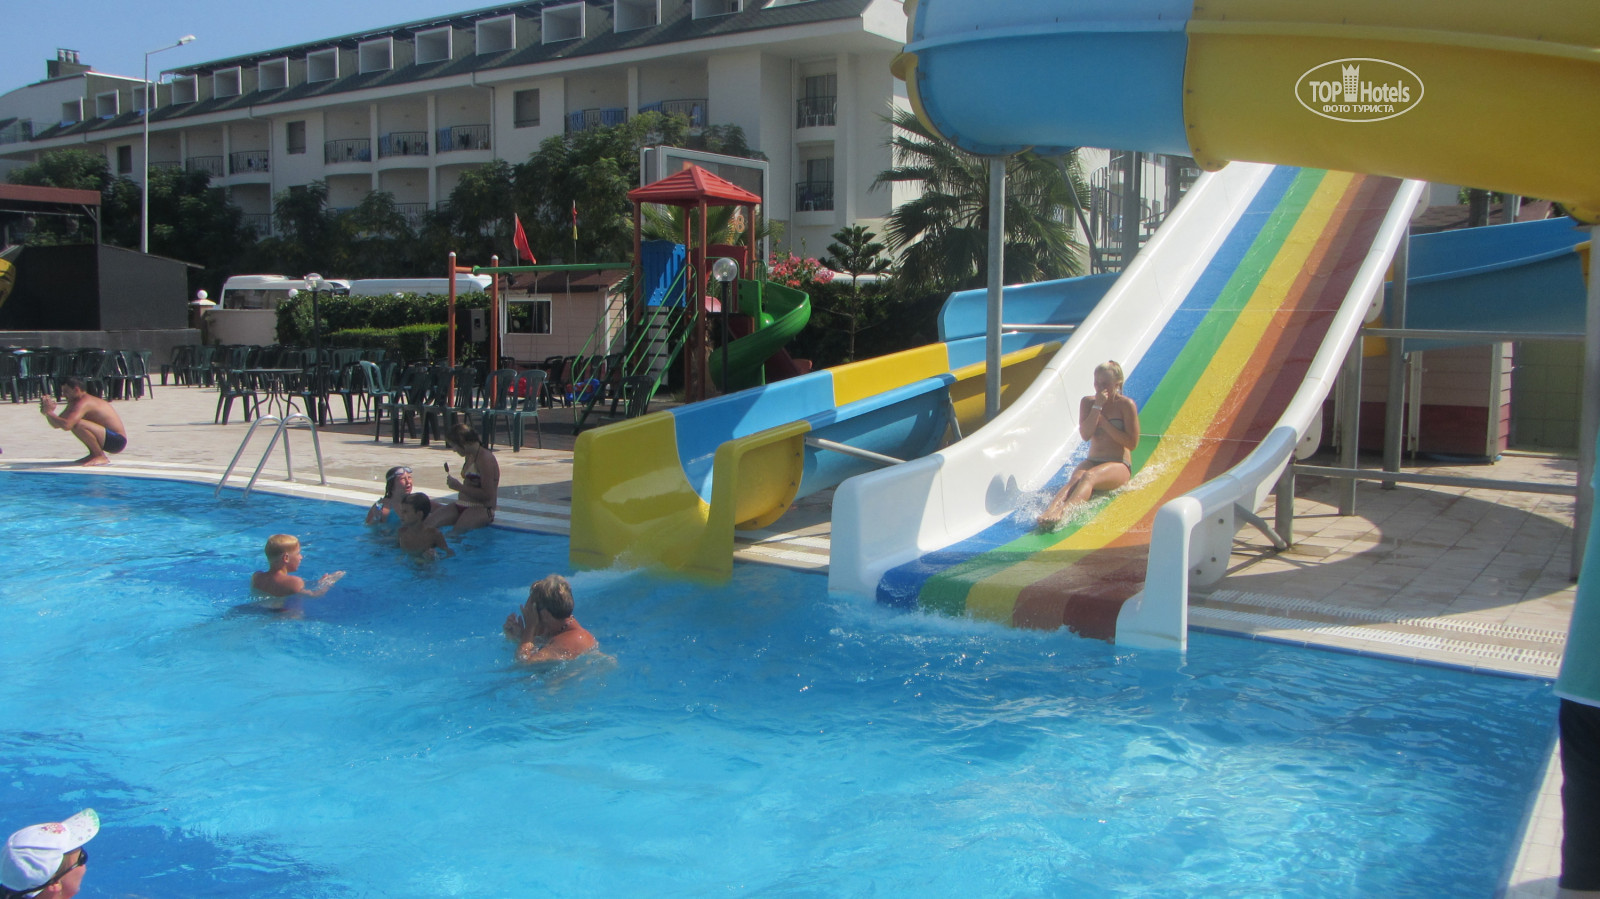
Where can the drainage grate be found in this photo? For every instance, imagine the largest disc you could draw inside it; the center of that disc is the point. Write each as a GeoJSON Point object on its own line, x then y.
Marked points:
{"type": "Point", "coordinates": [1373, 616]}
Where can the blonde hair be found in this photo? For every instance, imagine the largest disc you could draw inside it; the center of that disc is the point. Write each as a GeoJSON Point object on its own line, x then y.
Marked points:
{"type": "Point", "coordinates": [1111, 368]}
{"type": "Point", "coordinates": [554, 593]}
{"type": "Point", "coordinates": [280, 545]}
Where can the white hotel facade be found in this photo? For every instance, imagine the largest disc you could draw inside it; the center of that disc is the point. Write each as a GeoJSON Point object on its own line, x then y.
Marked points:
{"type": "Point", "coordinates": [408, 108]}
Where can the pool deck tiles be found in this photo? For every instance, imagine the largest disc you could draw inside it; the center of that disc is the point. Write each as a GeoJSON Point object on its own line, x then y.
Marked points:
{"type": "Point", "coordinates": [1470, 578]}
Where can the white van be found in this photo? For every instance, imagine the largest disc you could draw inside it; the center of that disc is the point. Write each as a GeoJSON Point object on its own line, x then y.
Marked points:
{"type": "Point", "coordinates": [379, 287]}
{"type": "Point", "coordinates": [267, 292]}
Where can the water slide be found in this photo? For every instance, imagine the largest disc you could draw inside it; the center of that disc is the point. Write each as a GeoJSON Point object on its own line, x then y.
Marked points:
{"type": "Point", "coordinates": [669, 489]}
{"type": "Point", "coordinates": [1251, 291]}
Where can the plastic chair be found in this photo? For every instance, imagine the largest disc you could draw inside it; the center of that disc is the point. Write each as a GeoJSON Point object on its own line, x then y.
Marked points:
{"type": "Point", "coordinates": [233, 385]}
{"type": "Point", "coordinates": [521, 402]}
{"type": "Point", "coordinates": [181, 359]}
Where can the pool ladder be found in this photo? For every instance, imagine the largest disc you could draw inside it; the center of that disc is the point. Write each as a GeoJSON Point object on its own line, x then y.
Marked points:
{"type": "Point", "coordinates": [283, 424]}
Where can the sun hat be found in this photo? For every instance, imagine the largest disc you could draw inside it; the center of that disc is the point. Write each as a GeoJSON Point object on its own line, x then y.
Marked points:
{"type": "Point", "coordinates": [34, 854]}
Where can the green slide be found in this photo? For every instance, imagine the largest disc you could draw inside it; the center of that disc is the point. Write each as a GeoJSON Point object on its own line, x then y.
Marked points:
{"type": "Point", "coordinates": [780, 313]}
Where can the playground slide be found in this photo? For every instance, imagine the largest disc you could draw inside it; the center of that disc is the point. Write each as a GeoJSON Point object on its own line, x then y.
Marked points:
{"type": "Point", "coordinates": [1230, 324]}
{"type": "Point", "coordinates": [781, 313]}
{"type": "Point", "coordinates": [669, 489]}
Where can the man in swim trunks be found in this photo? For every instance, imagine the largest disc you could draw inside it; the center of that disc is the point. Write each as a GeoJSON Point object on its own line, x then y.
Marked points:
{"type": "Point", "coordinates": [90, 419]}
{"type": "Point", "coordinates": [547, 616]}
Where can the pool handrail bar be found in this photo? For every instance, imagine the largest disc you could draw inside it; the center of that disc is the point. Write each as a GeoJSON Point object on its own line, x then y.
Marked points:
{"type": "Point", "coordinates": [283, 424]}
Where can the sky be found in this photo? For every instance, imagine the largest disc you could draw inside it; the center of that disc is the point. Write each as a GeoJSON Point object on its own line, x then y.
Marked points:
{"type": "Point", "coordinates": [112, 37]}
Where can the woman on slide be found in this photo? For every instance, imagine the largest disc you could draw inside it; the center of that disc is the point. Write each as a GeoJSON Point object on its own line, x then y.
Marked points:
{"type": "Point", "coordinates": [1109, 420]}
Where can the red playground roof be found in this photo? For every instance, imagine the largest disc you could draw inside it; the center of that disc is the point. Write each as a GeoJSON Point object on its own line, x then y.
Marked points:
{"type": "Point", "coordinates": [692, 186]}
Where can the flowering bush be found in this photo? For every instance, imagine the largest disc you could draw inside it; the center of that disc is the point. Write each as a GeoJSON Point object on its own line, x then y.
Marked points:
{"type": "Point", "coordinates": [796, 271]}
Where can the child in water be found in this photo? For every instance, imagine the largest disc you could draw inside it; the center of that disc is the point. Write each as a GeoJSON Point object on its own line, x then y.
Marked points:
{"type": "Point", "coordinates": [283, 590]}
{"type": "Point", "coordinates": [416, 537]}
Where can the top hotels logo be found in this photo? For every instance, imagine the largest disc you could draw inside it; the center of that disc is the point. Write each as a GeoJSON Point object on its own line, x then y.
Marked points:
{"type": "Point", "coordinates": [1359, 90]}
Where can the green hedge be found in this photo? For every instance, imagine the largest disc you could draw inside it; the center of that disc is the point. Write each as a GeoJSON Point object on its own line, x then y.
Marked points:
{"type": "Point", "coordinates": [410, 325]}
{"type": "Point", "coordinates": [408, 342]}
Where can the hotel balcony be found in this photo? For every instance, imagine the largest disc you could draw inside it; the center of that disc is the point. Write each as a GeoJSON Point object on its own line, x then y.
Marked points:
{"type": "Point", "coordinates": [816, 112]}
{"type": "Point", "coordinates": [403, 143]}
{"type": "Point", "coordinates": [585, 119]}
{"type": "Point", "coordinates": [813, 196]}
{"type": "Point", "coordinates": [693, 110]}
{"type": "Point", "coordinates": [463, 137]}
{"type": "Point", "coordinates": [348, 150]}
{"type": "Point", "coordinates": [248, 162]}
{"type": "Point", "coordinates": [211, 165]}
{"type": "Point", "coordinates": [415, 213]}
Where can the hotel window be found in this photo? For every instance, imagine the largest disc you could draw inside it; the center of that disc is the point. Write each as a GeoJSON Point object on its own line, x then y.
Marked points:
{"type": "Point", "coordinates": [294, 137]}
{"type": "Point", "coordinates": [435, 45]}
{"type": "Point", "coordinates": [377, 55]}
{"type": "Point", "coordinates": [125, 159]}
{"type": "Point", "coordinates": [706, 8]}
{"type": "Point", "coordinates": [105, 105]}
{"type": "Point", "coordinates": [272, 75]}
{"type": "Point", "coordinates": [72, 112]}
{"type": "Point", "coordinates": [226, 83]}
{"type": "Point", "coordinates": [525, 112]}
{"type": "Point", "coordinates": [322, 65]}
{"type": "Point", "coordinates": [496, 35]}
{"type": "Point", "coordinates": [562, 23]}
{"type": "Point", "coordinates": [185, 89]}
{"type": "Point", "coordinates": [634, 14]}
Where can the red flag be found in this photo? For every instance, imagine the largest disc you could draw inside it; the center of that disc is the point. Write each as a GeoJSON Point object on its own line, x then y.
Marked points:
{"type": "Point", "coordinates": [520, 240]}
{"type": "Point", "coordinates": [574, 219]}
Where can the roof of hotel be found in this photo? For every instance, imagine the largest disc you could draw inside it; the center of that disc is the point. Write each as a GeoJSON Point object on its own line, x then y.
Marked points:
{"type": "Point", "coordinates": [676, 27]}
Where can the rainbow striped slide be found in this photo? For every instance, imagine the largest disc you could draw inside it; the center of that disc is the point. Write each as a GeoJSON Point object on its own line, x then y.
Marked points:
{"type": "Point", "coordinates": [1254, 270]}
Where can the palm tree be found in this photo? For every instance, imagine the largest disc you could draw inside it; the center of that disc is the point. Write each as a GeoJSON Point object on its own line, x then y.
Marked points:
{"type": "Point", "coordinates": [943, 235]}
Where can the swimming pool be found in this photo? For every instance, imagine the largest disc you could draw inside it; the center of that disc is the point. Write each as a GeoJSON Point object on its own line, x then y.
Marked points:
{"type": "Point", "coordinates": [760, 738]}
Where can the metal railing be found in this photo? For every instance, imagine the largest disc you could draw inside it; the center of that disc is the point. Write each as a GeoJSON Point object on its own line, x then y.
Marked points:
{"type": "Point", "coordinates": [813, 195]}
{"type": "Point", "coordinates": [463, 137]}
{"type": "Point", "coordinates": [585, 119]}
{"type": "Point", "coordinates": [248, 162]}
{"type": "Point", "coordinates": [414, 213]}
{"type": "Point", "coordinates": [259, 222]}
{"type": "Point", "coordinates": [166, 164]}
{"type": "Point", "coordinates": [212, 165]}
{"type": "Point", "coordinates": [283, 424]}
{"type": "Point", "coordinates": [403, 143]}
{"type": "Point", "coordinates": [348, 150]}
{"type": "Point", "coordinates": [693, 110]}
{"type": "Point", "coordinates": [816, 112]}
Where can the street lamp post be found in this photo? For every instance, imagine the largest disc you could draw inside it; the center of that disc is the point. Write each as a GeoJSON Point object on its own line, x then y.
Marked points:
{"type": "Point", "coordinates": [725, 270]}
{"type": "Point", "coordinates": [149, 106]}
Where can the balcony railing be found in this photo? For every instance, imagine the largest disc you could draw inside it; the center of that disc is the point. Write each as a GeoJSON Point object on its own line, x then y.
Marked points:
{"type": "Point", "coordinates": [17, 131]}
{"type": "Point", "coordinates": [815, 112]}
{"type": "Point", "coordinates": [403, 143]}
{"type": "Point", "coordinates": [247, 162]}
{"type": "Point", "coordinates": [584, 119]}
{"type": "Point", "coordinates": [813, 195]}
{"type": "Point", "coordinates": [463, 137]}
{"type": "Point", "coordinates": [211, 165]}
{"type": "Point", "coordinates": [259, 222]}
{"type": "Point", "coordinates": [414, 213]}
{"type": "Point", "coordinates": [693, 110]}
{"type": "Point", "coordinates": [348, 150]}
{"type": "Point", "coordinates": [165, 164]}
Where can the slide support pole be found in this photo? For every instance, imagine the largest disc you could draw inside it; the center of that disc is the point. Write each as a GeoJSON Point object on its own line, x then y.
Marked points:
{"type": "Point", "coordinates": [997, 260]}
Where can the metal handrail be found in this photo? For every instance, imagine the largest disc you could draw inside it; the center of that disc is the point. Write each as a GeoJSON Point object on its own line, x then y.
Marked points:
{"type": "Point", "coordinates": [283, 424]}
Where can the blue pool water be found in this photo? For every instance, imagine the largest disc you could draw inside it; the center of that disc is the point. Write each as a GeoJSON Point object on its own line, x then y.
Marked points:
{"type": "Point", "coordinates": [761, 738]}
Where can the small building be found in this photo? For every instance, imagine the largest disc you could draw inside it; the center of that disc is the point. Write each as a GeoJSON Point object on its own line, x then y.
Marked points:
{"type": "Point", "coordinates": [561, 314]}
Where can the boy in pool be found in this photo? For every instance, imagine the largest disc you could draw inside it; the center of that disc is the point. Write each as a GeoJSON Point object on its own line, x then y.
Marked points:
{"type": "Point", "coordinates": [279, 583]}
{"type": "Point", "coordinates": [415, 536]}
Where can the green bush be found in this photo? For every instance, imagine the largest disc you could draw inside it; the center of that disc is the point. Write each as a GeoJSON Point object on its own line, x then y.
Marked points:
{"type": "Point", "coordinates": [410, 325]}
{"type": "Point", "coordinates": [404, 343]}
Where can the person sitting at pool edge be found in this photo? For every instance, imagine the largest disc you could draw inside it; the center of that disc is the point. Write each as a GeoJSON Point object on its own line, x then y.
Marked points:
{"type": "Point", "coordinates": [415, 536]}
{"type": "Point", "coordinates": [477, 489]}
{"type": "Point", "coordinates": [279, 583]}
{"type": "Point", "coordinates": [90, 419]}
{"type": "Point", "coordinates": [397, 485]}
{"type": "Point", "coordinates": [547, 616]}
{"type": "Point", "coordinates": [48, 860]}
{"type": "Point", "coordinates": [1109, 420]}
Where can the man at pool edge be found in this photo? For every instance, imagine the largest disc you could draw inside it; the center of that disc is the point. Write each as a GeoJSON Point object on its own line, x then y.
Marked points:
{"type": "Point", "coordinates": [547, 614]}
{"type": "Point", "coordinates": [90, 419]}
{"type": "Point", "coordinates": [48, 859]}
